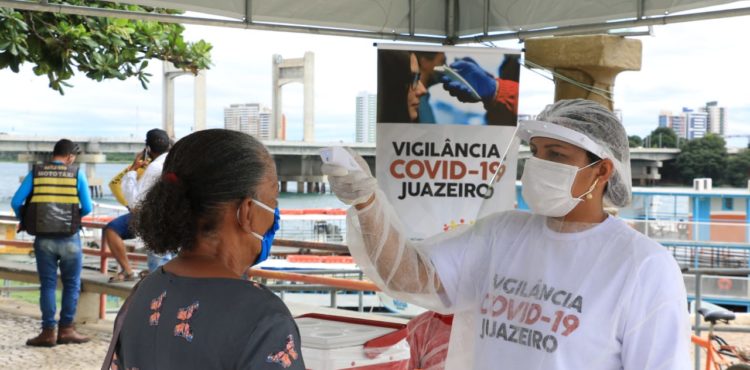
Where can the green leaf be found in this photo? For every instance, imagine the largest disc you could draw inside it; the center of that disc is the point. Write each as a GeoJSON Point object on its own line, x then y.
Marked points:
{"type": "Point", "coordinates": [100, 48]}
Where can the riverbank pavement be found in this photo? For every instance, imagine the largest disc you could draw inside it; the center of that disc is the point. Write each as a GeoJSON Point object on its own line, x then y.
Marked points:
{"type": "Point", "coordinates": [21, 320]}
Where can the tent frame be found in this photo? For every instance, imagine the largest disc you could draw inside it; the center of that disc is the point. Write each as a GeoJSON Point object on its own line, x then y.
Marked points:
{"type": "Point", "coordinates": [450, 37]}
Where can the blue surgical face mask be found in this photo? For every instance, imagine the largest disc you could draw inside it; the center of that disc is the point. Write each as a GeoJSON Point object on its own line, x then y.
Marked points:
{"type": "Point", "coordinates": [267, 239]}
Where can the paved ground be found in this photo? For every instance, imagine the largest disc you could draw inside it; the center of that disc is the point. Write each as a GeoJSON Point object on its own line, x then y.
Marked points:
{"type": "Point", "coordinates": [18, 323]}
{"type": "Point", "coordinates": [741, 340]}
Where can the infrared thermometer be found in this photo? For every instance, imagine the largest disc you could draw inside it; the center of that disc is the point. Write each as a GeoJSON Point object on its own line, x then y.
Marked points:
{"type": "Point", "coordinates": [454, 76]}
{"type": "Point", "coordinates": [339, 156]}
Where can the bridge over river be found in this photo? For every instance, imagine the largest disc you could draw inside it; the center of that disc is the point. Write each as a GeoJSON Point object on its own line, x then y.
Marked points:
{"type": "Point", "coordinates": [296, 161]}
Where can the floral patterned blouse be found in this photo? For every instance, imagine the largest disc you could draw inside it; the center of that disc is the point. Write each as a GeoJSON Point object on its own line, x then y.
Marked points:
{"type": "Point", "coordinates": [177, 322]}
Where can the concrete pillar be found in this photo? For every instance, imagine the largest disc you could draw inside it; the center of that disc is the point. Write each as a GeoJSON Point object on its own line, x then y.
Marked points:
{"type": "Point", "coordinates": [9, 231]}
{"type": "Point", "coordinates": [88, 308]}
{"type": "Point", "coordinates": [169, 73]}
{"type": "Point", "coordinates": [300, 187]}
{"type": "Point", "coordinates": [167, 100]}
{"type": "Point", "coordinates": [199, 101]}
{"type": "Point", "coordinates": [276, 113]}
{"type": "Point", "coordinates": [92, 155]}
{"type": "Point", "coordinates": [309, 95]}
{"type": "Point", "coordinates": [593, 60]}
{"type": "Point", "coordinates": [284, 71]}
{"type": "Point", "coordinates": [90, 170]}
{"type": "Point", "coordinates": [95, 183]}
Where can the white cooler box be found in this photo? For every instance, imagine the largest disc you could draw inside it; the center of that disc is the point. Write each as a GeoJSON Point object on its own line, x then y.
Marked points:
{"type": "Point", "coordinates": [339, 343]}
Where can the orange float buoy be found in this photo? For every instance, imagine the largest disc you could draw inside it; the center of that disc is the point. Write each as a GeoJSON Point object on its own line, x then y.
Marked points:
{"type": "Point", "coordinates": [724, 284]}
{"type": "Point", "coordinates": [314, 211]}
{"type": "Point", "coordinates": [102, 219]}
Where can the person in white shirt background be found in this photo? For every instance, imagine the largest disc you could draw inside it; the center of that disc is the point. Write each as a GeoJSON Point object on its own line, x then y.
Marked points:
{"type": "Point", "coordinates": [134, 190]}
{"type": "Point", "coordinates": [565, 286]}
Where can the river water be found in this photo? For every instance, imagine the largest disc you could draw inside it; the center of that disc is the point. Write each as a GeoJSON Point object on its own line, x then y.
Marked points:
{"type": "Point", "coordinates": [10, 174]}
{"type": "Point", "coordinates": [323, 228]}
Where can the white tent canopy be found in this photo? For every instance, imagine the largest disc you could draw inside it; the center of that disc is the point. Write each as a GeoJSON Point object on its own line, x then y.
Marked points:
{"type": "Point", "coordinates": [443, 21]}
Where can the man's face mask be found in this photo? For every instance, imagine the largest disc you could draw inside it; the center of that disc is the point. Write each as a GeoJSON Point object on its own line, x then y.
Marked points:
{"type": "Point", "coordinates": [547, 186]}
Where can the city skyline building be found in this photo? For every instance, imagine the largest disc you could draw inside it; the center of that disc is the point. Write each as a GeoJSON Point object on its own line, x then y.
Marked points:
{"type": "Point", "coordinates": [678, 123]}
{"type": "Point", "coordinates": [680, 126]}
{"type": "Point", "coordinates": [265, 117]}
{"type": "Point", "coordinates": [253, 119]}
{"type": "Point", "coordinates": [717, 118]}
{"type": "Point", "coordinates": [365, 117]}
{"type": "Point", "coordinates": [696, 122]}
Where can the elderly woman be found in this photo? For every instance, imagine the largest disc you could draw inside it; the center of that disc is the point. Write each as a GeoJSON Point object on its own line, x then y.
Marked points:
{"type": "Point", "coordinates": [565, 286]}
{"type": "Point", "coordinates": [216, 208]}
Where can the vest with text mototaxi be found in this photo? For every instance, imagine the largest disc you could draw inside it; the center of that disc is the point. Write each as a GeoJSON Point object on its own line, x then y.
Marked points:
{"type": "Point", "coordinates": [53, 207]}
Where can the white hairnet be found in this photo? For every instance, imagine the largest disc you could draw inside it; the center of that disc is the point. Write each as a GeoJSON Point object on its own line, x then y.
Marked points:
{"type": "Point", "coordinates": [601, 126]}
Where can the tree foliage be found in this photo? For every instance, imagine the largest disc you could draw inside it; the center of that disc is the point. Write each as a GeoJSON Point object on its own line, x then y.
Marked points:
{"type": "Point", "coordinates": [704, 157]}
{"type": "Point", "coordinates": [635, 141]}
{"type": "Point", "coordinates": [738, 169]}
{"type": "Point", "coordinates": [101, 48]}
{"type": "Point", "coordinates": [662, 137]}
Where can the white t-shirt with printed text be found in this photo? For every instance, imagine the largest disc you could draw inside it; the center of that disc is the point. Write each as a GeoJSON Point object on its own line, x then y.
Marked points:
{"type": "Point", "coordinates": [607, 298]}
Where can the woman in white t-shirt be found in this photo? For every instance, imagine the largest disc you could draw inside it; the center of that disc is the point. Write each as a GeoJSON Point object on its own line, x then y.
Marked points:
{"type": "Point", "coordinates": [564, 287]}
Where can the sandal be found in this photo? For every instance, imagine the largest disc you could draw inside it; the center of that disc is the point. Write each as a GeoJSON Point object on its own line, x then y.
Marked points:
{"type": "Point", "coordinates": [122, 276]}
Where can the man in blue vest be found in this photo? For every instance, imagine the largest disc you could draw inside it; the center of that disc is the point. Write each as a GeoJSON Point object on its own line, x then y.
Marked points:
{"type": "Point", "coordinates": [50, 203]}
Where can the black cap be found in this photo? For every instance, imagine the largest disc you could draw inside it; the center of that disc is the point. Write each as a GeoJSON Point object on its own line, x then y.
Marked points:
{"type": "Point", "coordinates": [157, 140]}
{"type": "Point", "coordinates": [66, 147]}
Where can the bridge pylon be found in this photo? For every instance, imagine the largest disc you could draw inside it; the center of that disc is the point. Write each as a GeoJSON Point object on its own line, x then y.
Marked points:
{"type": "Point", "coordinates": [285, 71]}
{"type": "Point", "coordinates": [170, 72]}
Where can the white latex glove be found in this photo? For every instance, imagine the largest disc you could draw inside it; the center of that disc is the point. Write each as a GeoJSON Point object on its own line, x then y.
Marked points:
{"type": "Point", "coordinates": [351, 187]}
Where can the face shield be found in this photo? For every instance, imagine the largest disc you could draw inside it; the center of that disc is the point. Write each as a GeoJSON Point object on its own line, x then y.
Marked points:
{"type": "Point", "coordinates": [619, 189]}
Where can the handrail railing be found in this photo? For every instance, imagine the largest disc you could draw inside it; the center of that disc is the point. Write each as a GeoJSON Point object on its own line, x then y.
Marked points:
{"type": "Point", "coordinates": [734, 231]}
{"type": "Point", "coordinates": [307, 278]}
{"type": "Point", "coordinates": [102, 253]}
{"type": "Point", "coordinates": [699, 272]}
{"type": "Point", "coordinates": [345, 284]}
{"type": "Point", "coordinates": [328, 247]}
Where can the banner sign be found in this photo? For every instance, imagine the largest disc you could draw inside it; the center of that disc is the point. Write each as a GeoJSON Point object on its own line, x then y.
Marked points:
{"type": "Point", "coordinates": [445, 118]}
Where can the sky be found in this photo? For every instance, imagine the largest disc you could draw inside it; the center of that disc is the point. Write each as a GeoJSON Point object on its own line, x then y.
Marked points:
{"type": "Point", "coordinates": [684, 65]}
